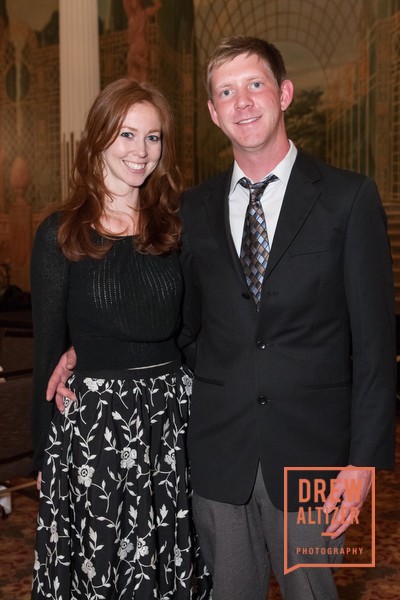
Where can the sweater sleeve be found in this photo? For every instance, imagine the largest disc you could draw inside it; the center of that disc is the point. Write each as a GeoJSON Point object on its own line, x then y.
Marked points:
{"type": "Point", "coordinates": [49, 288]}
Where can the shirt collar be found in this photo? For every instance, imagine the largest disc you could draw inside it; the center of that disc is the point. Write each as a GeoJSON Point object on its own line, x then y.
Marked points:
{"type": "Point", "coordinates": [282, 169]}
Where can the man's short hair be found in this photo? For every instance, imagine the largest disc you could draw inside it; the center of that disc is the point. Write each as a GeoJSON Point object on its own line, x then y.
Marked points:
{"type": "Point", "coordinates": [231, 47]}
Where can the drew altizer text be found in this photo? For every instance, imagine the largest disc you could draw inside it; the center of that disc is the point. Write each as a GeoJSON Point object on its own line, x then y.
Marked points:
{"type": "Point", "coordinates": [316, 491]}
{"type": "Point", "coordinates": [344, 498]}
{"type": "Point", "coordinates": [316, 516]}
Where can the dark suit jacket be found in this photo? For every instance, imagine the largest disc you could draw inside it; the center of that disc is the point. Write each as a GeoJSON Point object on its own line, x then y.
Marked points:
{"type": "Point", "coordinates": [309, 380]}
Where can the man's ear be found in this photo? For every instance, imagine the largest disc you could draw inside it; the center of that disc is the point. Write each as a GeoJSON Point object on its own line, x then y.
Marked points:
{"type": "Point", "coordinates": [213, 112]}
{"type": "Point", "coordinates": [287, 91]}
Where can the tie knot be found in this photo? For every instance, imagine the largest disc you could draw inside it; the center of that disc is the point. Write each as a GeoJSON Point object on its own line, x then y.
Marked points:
{"type": "Point", "coordinates": [257, 189]}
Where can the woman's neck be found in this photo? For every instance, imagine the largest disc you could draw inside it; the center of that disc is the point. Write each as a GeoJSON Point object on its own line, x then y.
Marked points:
{"type": "Point", "coordinates": [121, 216]}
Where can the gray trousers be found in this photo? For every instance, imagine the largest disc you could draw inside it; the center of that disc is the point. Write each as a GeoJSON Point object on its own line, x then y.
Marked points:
{"type": "Point", "coordinates": [242, 544]}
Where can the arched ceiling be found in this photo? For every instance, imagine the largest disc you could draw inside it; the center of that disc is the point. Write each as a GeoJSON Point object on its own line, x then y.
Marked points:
{"type": "Point", "coordinates": [328, 29]}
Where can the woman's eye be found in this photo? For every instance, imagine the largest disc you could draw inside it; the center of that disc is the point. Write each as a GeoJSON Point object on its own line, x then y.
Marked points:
{"type": "Point", "coordinates": [127, 134]}
{"type": "Point", "coordinates": [154, 138]}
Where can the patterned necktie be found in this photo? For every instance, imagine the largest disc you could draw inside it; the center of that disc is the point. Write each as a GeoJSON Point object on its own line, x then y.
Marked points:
{"type": "Point", "coordinates": [255, 245]}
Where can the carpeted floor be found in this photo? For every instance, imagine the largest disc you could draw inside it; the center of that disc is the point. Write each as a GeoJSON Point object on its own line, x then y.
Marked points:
{"type": "Point", "coordinates": [382, 582]}
{"type": "Point", "coordinates": [17, 534]}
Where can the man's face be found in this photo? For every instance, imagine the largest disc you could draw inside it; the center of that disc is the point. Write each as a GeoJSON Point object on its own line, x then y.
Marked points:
{"type": "Point", "coordinates": [248, 105]}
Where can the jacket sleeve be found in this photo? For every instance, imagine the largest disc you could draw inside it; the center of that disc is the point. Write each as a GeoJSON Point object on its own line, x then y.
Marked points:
{"type": "Point", "coordinates": [370, 299]}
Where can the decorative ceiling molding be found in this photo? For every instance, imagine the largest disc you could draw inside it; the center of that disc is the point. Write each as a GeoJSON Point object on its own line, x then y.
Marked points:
{"type": "Point", "coordinates": [327, 28]}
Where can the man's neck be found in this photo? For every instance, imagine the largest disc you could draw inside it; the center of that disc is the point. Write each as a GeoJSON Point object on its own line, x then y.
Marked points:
{"type": "Point", "coordinates": [256, 164]}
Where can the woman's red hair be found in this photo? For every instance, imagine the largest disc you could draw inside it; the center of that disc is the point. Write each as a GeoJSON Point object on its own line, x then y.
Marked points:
{"type": "Point", "coordinates": [159, 226]}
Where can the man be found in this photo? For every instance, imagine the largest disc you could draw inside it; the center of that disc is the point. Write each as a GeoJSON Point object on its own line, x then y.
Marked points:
{"type": "Point", "coordinates": [302, 376]}
{"type": "Point", "coordinates": [294, 363]}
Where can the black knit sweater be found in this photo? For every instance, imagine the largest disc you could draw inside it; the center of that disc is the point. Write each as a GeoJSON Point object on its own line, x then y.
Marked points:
{"type": "Point", "coordinates": [118, 312]}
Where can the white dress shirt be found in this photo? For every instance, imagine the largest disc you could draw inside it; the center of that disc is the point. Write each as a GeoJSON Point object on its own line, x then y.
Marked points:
{"type": "Point", "coordinates": [271, 200]}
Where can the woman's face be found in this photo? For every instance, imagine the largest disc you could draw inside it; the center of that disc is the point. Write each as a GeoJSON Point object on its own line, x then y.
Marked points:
{"type": "Point", "coordinates": [135, 152]}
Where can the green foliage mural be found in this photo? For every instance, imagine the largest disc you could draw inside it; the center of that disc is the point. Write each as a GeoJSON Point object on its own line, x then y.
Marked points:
{"type": "Point", "coordinates": [306, 122]}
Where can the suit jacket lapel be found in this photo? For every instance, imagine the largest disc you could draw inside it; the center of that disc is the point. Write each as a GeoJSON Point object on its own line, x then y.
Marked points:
{"type": "Point", "coordinates": [217, 208]}
{"type": "Point", "coordinates": [301, 194]}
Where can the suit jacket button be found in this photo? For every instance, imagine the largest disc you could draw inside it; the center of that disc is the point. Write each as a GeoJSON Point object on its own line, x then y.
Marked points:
{"type": "Point", "coordinates": [246, 296]}
{"type": "Point", "coordinates": [262, 400]}
{"type": "Point", "coordinates": [261, 345]}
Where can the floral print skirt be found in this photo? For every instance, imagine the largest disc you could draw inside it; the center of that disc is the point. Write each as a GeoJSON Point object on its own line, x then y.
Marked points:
{"type": "Point", "coordinates": [114, 517]}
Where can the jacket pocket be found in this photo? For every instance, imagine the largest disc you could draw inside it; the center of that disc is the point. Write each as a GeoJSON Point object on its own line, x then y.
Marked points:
{"type": "Point", "coordinates": [207, 380]}
{"type": "Point", "coordinates": [312, 247]}
{"type": "Point", "coordinates": [327, 386]}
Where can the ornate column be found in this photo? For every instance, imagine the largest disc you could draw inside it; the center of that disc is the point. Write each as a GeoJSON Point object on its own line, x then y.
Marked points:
{"type": "Point", "coordinates": [79, 74]}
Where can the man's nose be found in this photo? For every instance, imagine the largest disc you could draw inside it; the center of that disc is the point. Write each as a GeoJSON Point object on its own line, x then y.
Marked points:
{"type": "Point", "coordinates": [243, 99]}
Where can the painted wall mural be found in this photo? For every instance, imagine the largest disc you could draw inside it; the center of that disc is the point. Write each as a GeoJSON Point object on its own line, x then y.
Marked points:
{"type": "Point", "coordinates": [343, 57]}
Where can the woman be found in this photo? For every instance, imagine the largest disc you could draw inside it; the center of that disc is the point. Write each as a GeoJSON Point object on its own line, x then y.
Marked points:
{"type": "Point", "coordinates": [114, 518]}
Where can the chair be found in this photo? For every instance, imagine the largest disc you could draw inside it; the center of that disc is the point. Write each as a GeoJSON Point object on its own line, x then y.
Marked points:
{"type": "Point", "coordinates": [16, 348]}
{"type": "Point", "coordinates": [15, 425]}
